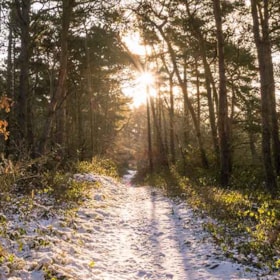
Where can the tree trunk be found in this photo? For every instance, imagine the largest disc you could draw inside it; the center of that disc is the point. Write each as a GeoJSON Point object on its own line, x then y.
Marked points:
{"type": "Point", "coordinates": [92, 103]}
{"type": "Point", "coordinates": [223, 123]}
{"type": "Point", "coordinates": [253, 149]}
{"type": "Point", "coordinates": [182, 84]}
{"type": "Point", "coordinates": [212, 97]}
{"type": "Point", "coordinates": [161, 153]}
{"type": "Point", "coordinates": [23, 100]}
{"type": "Point", "coordinates": [59, 95]}
{"type": "Point", "coordinates": [186, 126]}
{"type": "Point", "coordinates": [149, 132]}
{"type": "Point", "coordinates": [203, 156]}
{"type": "Point", "coordinates": [197, 82]}
{"type": "Point", "coordinates": [171, 120]}
{"type": "Point", "coordinates": [268, 109]}
{"type": "Point", "coordinates": [211, 107]}
{"type": "Point", "coordinates": [10, 78]}
{"type": "Point", "coordinates": [172, 149]}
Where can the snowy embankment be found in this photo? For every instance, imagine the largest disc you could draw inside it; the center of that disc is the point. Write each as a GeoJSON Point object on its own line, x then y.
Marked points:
{"type": "Point", "coordinates": [120, 232]}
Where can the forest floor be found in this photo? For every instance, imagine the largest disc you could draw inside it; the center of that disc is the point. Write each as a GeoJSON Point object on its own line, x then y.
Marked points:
{"type": "Point", "coordinates": [119, 232]}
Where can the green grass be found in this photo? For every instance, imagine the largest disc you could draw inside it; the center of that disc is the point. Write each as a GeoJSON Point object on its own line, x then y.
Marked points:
{"type": "Point", "coordinates": [248, 219]}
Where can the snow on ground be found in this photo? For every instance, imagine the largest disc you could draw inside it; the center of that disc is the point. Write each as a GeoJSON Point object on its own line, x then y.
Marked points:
{"type": "Point", "coordinates": [121, 232]}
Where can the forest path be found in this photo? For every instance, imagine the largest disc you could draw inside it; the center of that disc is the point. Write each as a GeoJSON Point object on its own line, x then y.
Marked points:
{"type": "Point", "coordinates": [141, 234]}
{"type": "Point", "coordinates": [120, 232]}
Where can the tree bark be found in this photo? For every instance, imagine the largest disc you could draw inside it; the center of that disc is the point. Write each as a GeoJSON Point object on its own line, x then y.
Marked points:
{"type": "Point", "coordinates": [267, 84]}
{"type": "Point", "coordinates": [59, 95]}
{"type": "Point", "coordinates": [23, 100]}
{"type": "Point", "coordinates": [161, 153]}
{"type": "Point", "coordinates": [172, 149]}
{"type": "Point", "coordinates": [212, 98]}
{"type": "Point", "coordinates": [223, 122]}
{"type": "Point", "coordinates": [212, 115]}
{"type": "Point", "coordinates": [198, 97]}
{"type": "Point", "coordinates": [10, 77]}
{"type": "Point", "coordinates": [149, 132]}
{"type": "Point", "coordinates": [204, 159]}
{"type": "Point", "coordinates": [171, 121]}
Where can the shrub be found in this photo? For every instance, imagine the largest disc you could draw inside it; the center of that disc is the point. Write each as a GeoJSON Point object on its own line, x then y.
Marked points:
{"type": "Point", "coordinates": [98, 165]}
{"type": "Point", "coordinates": [63, 188]}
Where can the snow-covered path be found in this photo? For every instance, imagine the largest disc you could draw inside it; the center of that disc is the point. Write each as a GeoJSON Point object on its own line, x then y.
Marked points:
{"type": "Point", "coordinates": [121, 232]}
{"type": "Point", "coordinates": [143, 239]}
{"type": "Point", "coordinates": [141, 234]}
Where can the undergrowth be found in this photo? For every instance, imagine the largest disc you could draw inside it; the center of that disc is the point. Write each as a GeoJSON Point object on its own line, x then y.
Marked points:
{"type": "Point", "coordinates": [51, 176]}
{"type": "Point", "coordinates": [98, 165]}
{"type": "Point", "coordinates": [40, 188]}
{"type": "Point", "coordinates": [246, 220]}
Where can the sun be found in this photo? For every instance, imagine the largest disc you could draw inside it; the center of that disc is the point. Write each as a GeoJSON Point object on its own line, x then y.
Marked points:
{"type": "Point", "coordinates": [146, 78]}
{"type": "Point", "coordinates": [143, 85]}
{"type": "Point", "coordinates": [142, 82]}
